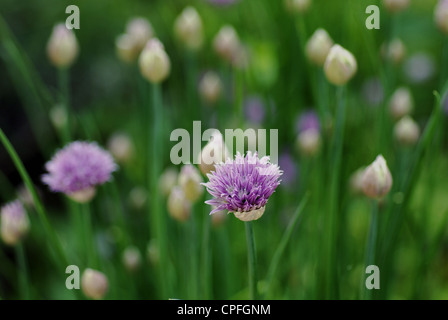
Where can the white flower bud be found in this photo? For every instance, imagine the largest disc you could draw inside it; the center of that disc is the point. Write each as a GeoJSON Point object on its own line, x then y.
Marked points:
{"type": "Point", "coordinates": [188, 28]}
{"type": "Point", "coordinates": [318, 47]}
{"type": "Point", "coordinates": [126, 48]}
{"type": "Point", "coordinates": [441, 15]}
{"type": "Point", "coordinates": [62, 47]}
{"type": "Point", "coordinates": [190, 181]}
{"type": "Point", "coordinates": [401, 103]}
{"type": "Point", "coordinates": [215, 151]}
{"type": "Point", "coordinates": [210, 87]}
{"type": "Point", "coordinates": [178, 205]}
{"type": "Point", "coordinates": [168, 180]}
{"type": "Point", "coordinates": [121, 147]}
{"type": "Point", "coordinates": [396, 5]}
{"type": "Point", "coordinates": [395, 51]}
{"type": "Point", "coordinates": [58, 117]}
{"type": "Point", "coordinates": [340, 65]}
{"type": "Point", "coordinates": [14, 223]}
{"type": "Point", "coordinates": [297, 6]}
{"type": "Point", "coordinates": [140, 30]}
{"type": "Point", "coordinates": [308, 142]}
{"type": "Point", "coordinates": [94, 284]}
{"type": "Point", "coordinates": [377, 180]}
{"type": "Point", "coordinates": [227, 43]}
{"type": "Point", "coordinates": [154, 63]}
{"type": "Point", "coordinates": [138, 197]}
{"type": "Point", "coordinates": [132, 259]}
{"type": "Point", "coordinates": [406, 131]}
{"type": "Point", "coordinates": [152, 252]}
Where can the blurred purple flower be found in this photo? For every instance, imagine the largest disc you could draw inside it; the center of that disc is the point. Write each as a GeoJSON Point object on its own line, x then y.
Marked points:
{"type": "Point", "coordinates": [242, 185]}
{"type": "Point", "coordinates": [286, 162]}
{"type": "Point", "coordinates": [78, 166]}
{"type": "Point", "coordinates": [372, 91]}
{"type": "Point", "coordinates": [254, 109]}
{"type": "Point", "coordinates": [419, 68]}
{"type": "Point", "coordinates": [308, 120]}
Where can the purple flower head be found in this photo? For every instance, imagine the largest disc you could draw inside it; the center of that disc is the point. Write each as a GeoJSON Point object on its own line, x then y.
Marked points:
{"type": "Point", "coordinates": [242, 185]}
{"type": "Point", "coordinates": [286, 162]}
{"type": "Point", "coordinates": [308, 120]}
{"type": "Point", "coordinates": [254, 110]}
{"type": "Point", "coordinates": [78, 166]}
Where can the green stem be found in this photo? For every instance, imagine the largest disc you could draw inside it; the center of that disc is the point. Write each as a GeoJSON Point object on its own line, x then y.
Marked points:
{"type": "Point", "coordinates": [63, 79]}
{"type": "Point", "coordinates": [23, 272]}
{"type": "Point", "coordinates": [252, 260]}
{"type": "Point", "coordinates": [206, 257]}
{"type": "Point", "coordinates": [92, 258]}
{"type": "Point", "coordinates": [371, 245]}
{"type": "Point", "coordinates": [53, 241]}
{"type": "Point", "coordinates": [283, 243]}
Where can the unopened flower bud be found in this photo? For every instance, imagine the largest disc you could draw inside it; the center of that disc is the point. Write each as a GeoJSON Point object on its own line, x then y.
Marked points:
{"type": "Point", "coordinates": [132, 259]}
{"type": "Point", "coordinates": [377, 180]}
{"type": "Point", "coordinates": [138, 197]}
{"type": "Point", "coordinates": [168, 180]}
{"type": "Point", "coordinates": [126, 48]}
{"type": "Point", "coordinates": [441, 15]}
{"type": "Point", "coordinates": [308, 142]}
{"type": "Point", "coordinates": [94, 284]}
{"type": "Point", "coordinates": [188, 28]}
{"type": "Point", "coordinates": [140, 30]}
{"type": "Point", "coordinates": [178, 205]}
{"type": "Point", "coordinates": [154, 63]}
{"type": "Point", "coordinates": [401, 103]}
{"type": "Point", "coordinates": [406, 131]}
{"type": "Point", "coordinates": [121, 147]}
{"type": "Point", "coordinates": [250, 215]}
{"type": "Point", "coordinates": [190, 181]}
{"type": "Point", "coordinates": [58, 117]}
{"type": "Point", "coordinates": [297, 6]}
{"type": "Point", "coordinates": [340, 65]}
{"type": "Point", "coordinates": [14, 222]}
{"type": "Point", "coordinates": [210, 87]}
{"type": "Point", "coordinates": [396, 5]}
{"type": "Point", "coordinates": [62, 47]}
{"type": "Point", "coordinates": [215, 151]}
{"type": "Point", "coordinates": [226, 43]}
{"type": "Point", "coordinates": [318, 47]}
{"type": "Point", "coordinates": [83, 195]}
{"type": "Point", "coordinates": [395, 51]}
{"type": "Point", "coordinates": [356, 181]}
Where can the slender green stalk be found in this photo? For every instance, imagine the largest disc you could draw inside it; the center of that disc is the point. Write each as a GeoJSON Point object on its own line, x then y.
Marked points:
{"type": "Point", "coordinates": [53, 240]}
{"type": "Point", "coordinates": [371, 245]}
{"type": "Point", "coordinates": [252, 260]}
{"type": "Point", "coordinates": [91, 254]}
{"type": "Point", "coordinates": [63, 79]}
{"type": "Point", "coordinates": [23, 272]}
{"type": "Point", "coordinates": [206, 257]}
{"type": "Point", "coordinates": [296, 218]}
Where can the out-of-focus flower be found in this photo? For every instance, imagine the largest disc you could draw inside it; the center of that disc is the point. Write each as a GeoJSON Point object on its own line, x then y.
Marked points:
{"type": "Point", "coordinates": [210, 87]}
{"type": "Point", "coordinates": [126, 49]}
{"type": "Point", "coordinates": [356, 181]}
{"type": "Point", "coordinates": [141, 31]}
{"type": "Point", "coordinates": [395, 6]}
{"type": "Point", "coordinates": [14, 222]}
{"type": "Point", "coordinates": [215, 151]}
{"type": "Point", "coordinates": [132, 258]}
{"type": "Point", "coordinates": [227, 43]}
{"type": "Point", "coordinates": [78, 168]}
{"type": "Point", "coordinates": [406, 131]}
{"type": "Point", "coordinates": [394, 51]}
{"type": "Point", "coordinates": [254, 110]}
{"type": "Point", "coordinates": [154, 63]}
{"type": "Point", "coordinates": [121, 147]}
{"type": "Point", "coordinates": [188, 28]}
{"type": "Point", "coordinates": [168, 180]}
{"type": "Point", "coordinates": [62, 47]}
{"type": "Point", "coordinates": [94, 284]}
{"type": "Point", "coordinates": [138, 197]}
{"type": "Point", "coordinates": [318, 47]}
{"type": "Point", "coordinates": [297, 6]}
{"type": "Point", "coordinates": [178, 205]}
{"type": "Point", "coordinates": [58, 117]}
{"type": "Point", "coordinates": [308, 120]}
{"type": "Point", "coordinates": [419, 68]}
{"type": "Point", "coordinates": [289, 167]}
{"type": "Point", "coordinates": [190, 181]}
{"type": "Point", "coordinates": [340, 65]}
{"type": "Point", "coordinates": [441, 15]}
{"type": "Point", "coordinates": [25, 196]}
{"type": "Point", "coordinates": [152, 252]}
{"type": "Point", "coordinates": [243, 186]}
{"type": "Point", "coordinates": [373, 92]}
{"type": "Point", "coordinates": [377, 180]}
{"type": "Point", "coordinates": [218, 218]}
{"type": "Point", "coordinates": [401, 103]}
{"type": "Point", "coordinates": [309, 142]}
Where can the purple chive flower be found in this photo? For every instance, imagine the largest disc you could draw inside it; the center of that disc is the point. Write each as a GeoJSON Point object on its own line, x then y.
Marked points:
{"type": "Point", "coordinates": [243, 186]}
{"type": "Point", "coordinates": [286, 162]}
{"type": "Point", "coordinates": [254, 110]}
{"type": "Point", "coordinates": [78, 168]}
{"type": "Point", "coordinates": [308, 120]}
